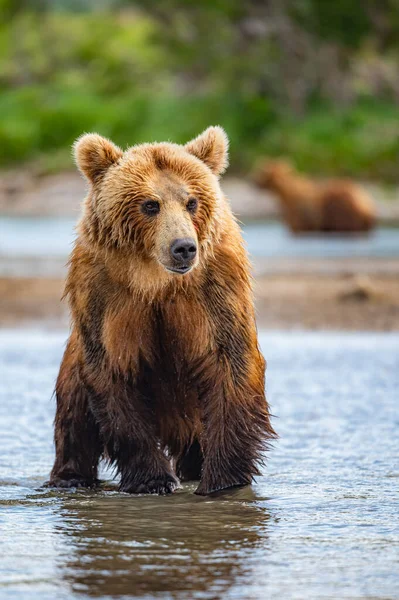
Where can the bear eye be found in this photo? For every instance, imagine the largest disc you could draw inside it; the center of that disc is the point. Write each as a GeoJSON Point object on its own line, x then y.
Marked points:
{"type": "Point", "coordinates": [192, 205]}
{"type": "Point", "coordinates": [150, 207]}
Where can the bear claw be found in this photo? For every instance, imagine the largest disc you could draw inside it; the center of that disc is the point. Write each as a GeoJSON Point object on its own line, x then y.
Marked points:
{"type": "Point", "coordinates": [206, 490]}
{"type": "Point", "coordinates": [161, 487]}
{"type": "Point", "coordinates": [77, 482]}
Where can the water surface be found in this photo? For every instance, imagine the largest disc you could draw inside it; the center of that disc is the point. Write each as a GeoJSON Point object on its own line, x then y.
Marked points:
{"type": "Point", "coordinates": [322, 522]}
{"type": "Point", "coordinates": [53, 237]}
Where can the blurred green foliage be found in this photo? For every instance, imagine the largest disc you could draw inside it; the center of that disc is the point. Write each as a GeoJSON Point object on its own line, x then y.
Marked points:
{"type": "Point", "coordinates": [312, 80]}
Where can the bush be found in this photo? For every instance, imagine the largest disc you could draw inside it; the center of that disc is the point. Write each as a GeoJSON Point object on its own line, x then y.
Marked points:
{"type": "Point", "coordinates": [169, 72]}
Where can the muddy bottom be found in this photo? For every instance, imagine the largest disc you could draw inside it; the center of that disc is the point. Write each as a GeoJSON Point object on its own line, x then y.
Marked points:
{"type": "Point", "coordinates": [321, 522]}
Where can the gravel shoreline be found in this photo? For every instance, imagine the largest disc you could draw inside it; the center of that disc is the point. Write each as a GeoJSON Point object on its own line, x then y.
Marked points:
{"type": "Point", "coordinates": [334, 301]}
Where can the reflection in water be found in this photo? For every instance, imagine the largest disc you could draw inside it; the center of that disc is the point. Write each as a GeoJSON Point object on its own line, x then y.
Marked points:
{"type": "Point", "coordinates": [147, 544]}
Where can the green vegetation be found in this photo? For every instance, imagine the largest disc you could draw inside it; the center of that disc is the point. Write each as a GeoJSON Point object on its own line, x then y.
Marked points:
{"type": "Point", "coordinates": [317, 85]}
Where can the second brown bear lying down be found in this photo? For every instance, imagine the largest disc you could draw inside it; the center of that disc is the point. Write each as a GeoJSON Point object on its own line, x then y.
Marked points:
{"type": "Point", "coordinates": [308, 205]}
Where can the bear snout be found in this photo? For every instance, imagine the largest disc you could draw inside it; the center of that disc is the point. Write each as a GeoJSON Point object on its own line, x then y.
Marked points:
{"type": "Point", "coordinates": [183, 252]}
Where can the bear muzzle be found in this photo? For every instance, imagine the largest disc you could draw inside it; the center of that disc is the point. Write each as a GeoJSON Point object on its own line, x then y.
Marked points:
{"type": "Point", "coordinates": [183, 253]}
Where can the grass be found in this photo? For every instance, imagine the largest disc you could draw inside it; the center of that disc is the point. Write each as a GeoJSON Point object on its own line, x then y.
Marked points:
{"type": "Point", "coordinates": [39, 125]}
{"type": "Point", "coordinates": [361, 141]}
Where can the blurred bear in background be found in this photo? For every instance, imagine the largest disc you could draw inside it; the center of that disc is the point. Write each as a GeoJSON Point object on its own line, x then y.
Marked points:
{"type": "Point", "coordinates": [308, 205]}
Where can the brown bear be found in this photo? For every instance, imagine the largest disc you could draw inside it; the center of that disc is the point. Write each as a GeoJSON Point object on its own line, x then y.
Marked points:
{"type": "Point", "coordinates": [308, 205]}
{"type": "Point", "coordinates": [162, 373]}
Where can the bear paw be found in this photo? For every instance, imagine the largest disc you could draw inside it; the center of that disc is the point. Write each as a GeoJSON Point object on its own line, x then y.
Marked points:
{"type": "Point", "coordinates": [205, 490]}
{"type": "Point", "coordinates": [161, 486]}
{"type": "Point", "coordinates": [73, 482]}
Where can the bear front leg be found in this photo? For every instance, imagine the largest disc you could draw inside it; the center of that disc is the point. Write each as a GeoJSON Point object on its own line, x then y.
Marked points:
{"type": "Point", "coordinates": [237, 431]}
{"type": "Point", "coordinates": [131, 442]}
{"type": "Point", "coordinates": [236, 421]}
{"type": "Point", "coordinates": [77, 438]}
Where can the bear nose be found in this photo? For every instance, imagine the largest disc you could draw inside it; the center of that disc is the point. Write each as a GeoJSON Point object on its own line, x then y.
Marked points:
{"type": "Point", "coordinates": [183, 250]}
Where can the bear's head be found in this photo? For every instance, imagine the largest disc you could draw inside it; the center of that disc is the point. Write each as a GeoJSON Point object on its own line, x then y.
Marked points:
{"type": "Point", "coordinates": [160, 202]}
{"type": "Point", "coordinates": [270, 174]}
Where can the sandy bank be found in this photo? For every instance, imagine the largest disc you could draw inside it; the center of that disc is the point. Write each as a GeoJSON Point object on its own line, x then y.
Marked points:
{"type": "Point", "coordinates": [336, 301]}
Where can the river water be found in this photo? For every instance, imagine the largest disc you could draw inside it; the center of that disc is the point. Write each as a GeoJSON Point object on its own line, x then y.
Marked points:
{"type": "Point", "coordinates": [30, 236]}
{"type": "Point", "coordinates": [321, 522]}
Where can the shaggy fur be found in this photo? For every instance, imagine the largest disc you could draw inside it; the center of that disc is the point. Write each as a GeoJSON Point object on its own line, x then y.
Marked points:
{"type": "Point", "coordinates": [162, 372]}
{"type": "Point", "coordinates": [308, 205]}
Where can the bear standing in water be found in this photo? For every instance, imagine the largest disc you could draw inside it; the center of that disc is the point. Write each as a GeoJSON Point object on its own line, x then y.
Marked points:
{"type": "Point", "coordinates": [162, 372]}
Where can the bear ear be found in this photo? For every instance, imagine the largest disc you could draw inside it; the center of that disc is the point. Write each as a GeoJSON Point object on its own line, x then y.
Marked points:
{"type": "Point", "coordinates": [94, 154]}
{"type": "Point", "coordinates": [211, 146]}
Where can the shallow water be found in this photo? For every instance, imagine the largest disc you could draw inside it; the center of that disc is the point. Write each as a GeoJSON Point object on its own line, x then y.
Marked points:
{"type": "Point", "coordinates": [53, 237]}
{"type": "Point", "coordinates": [322, 522]}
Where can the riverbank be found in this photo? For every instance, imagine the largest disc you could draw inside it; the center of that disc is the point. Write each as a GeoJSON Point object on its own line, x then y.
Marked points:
{"type": "Point", "coordinates": [301, 282]}
{"type": "Point", "coordinates": [284, 301]}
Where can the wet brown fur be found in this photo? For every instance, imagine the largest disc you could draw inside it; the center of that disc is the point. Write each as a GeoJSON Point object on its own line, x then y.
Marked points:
{"type": "Point", "coordinates": [308, 205]}
{"type": "Point", "coordinates": [162, 372]}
